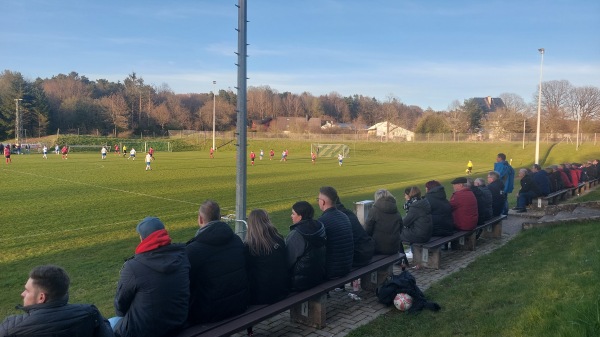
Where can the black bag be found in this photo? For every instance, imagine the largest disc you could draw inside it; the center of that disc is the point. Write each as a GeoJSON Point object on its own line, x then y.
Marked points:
{"type": "Point", "coordinates": [406, 283]}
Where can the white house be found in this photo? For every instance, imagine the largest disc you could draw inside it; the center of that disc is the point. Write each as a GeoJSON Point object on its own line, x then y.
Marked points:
{"type": "Point", "coordinates": [395, 132]}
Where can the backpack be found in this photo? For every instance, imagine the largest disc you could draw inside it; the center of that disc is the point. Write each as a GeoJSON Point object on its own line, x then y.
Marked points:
{"type": "Point", "coordinates": [405, 282]}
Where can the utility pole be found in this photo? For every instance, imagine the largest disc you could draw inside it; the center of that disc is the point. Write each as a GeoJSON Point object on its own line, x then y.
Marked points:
{"type": "Point", "coordinates": [18, 126]}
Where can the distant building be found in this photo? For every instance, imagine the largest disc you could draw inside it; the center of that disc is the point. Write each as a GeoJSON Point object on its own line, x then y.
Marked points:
{"type": "Point", "coordinates": [295, 124]}
{"type": "Point", "coordinates": [395, 132]}
{"type": "Point", "coordinates": [489, 104]}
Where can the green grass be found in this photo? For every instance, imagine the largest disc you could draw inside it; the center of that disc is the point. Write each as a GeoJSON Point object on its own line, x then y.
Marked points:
{"type": "Point", "coordinates": [545, 282]}
{"type": "Point", "coordinates": [81, 213]}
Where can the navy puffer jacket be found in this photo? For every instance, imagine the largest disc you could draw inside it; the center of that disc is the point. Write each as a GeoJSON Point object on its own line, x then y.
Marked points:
{"type": "Point", "coordinates": [340, 243]}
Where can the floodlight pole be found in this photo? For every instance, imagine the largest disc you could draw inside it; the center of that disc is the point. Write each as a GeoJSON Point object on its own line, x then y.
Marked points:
{"type": "Point", "coordinates": [578, 119]}
{"type": "Point", "coordinates": [240, 204]}
{"type": "Point", "coordinates": [523, 133]}
{"type": "Point", "coordinates": [537, 135]}
{"type": "Point", "coordinates": [17, 121]}
{"type": "Point", "coordinates": [214, 114]}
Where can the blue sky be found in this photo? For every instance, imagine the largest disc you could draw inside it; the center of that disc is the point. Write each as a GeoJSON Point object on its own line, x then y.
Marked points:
{"type": "Point", "coordinates": [425, 53]}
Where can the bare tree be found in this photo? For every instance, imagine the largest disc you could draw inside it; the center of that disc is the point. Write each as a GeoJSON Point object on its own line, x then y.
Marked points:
{"type": "Point", "coordinates": [116, 111]}
{"type": "Point", "coordinates": [555, 100]}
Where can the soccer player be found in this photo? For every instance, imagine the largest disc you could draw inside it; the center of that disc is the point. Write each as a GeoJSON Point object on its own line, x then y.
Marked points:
{"type": "Point", "coordinates": [151, 151]}
{"type": "Point", "coordinates": [340, 159]}
{"type": "Point", "coordinates": [271, 154]}
{"type": "Point", "coordinates": [212, 152]}
{"type": "Point", "coordinates": [313, 157]}
{"type": "Point", "coordinates": [132, 154]}
{"type": "Point", "coordinates": [469, 167]}
{"type": "Point", "coordinates": [103, 151]}
{"type": "Point", "coordinates": [262, 154]}
{"type": "Point", "coordinates": [252, 157]}
{"type": "Point", "coordinates": [7, 154]}
{"type": "Point", "coordinates": [148, 159]}
{"type": "Point", "coordinates": [45, 152]}
{"type": "Point", "coordinates": [65, 152]}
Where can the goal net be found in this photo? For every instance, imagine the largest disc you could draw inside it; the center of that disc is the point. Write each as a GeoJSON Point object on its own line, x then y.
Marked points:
{"type": "Point", "coordinates": [330, 150]}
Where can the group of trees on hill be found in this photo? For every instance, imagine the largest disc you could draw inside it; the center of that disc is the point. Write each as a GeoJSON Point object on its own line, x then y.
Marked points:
{"type": "Point", "coordinates": [74, 103]}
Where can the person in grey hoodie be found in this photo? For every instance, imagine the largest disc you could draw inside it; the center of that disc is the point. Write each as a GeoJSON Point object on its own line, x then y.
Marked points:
{"type": "Point", "coordinates": [384, 223]}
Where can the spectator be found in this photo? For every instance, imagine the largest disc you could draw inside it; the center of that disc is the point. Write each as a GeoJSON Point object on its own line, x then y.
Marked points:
{"type": "Point", "coordinates": [507, 175]}
{"type": "Point", "coordinates": [441, 211]}
{"type": "Point", "coordinates": [540, 177]}
{"type": "Point", "coordinates": [266, 260]}
{"type": "Point", "coordinates": [556, 183]}
{"type": "Point", "coordinates": [340, 242]}
{"type": "Point", "coordinates": [564, 177]}
{"type": "Point", "coordinates": [528, 191]}
{"type": "Point", "coordinates": [575, 174]}
{"type": "Point", "coordinates": [47, 312]}
{"type": "Point", "coordinates": [306, 248]}
{"type": "Point", "coordinates": [384, 223]}
{"type": "Point", "coordinates": [464, 205]}
{"type": "Point", "coordinates": [484, 199]}
{"type": "Point", "coordinates": [496, 187]}
{"type": "Point", "coordinates": [364, 246]}
{"type": "Point", "coordinates": [417, 224]}
{"type": "Point", "coordinates": [218, 278]}
{"type": "Point", "coordinates": [154, 287]}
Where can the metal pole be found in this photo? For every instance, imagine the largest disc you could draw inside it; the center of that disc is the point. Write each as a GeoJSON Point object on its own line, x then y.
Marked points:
{"type": "Point", "coordinates": [240, 205]}
{"type": "Point", "coordinates": [214, 114]}
{"type": "Point", "coordinates": [578, 119]}
{"type": "Point", "coordinates": [537, 135]}
{"type": "Point", "coordinates": [523, 134]}
{"type": "Point", "coordinates": [17, 121]}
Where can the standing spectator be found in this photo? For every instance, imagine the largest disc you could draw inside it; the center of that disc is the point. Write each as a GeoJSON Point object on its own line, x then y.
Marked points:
{"type": "Point", "coordinates": [384, 223]}
{"type": "Point", "coordinates": [464, 205]}
{"type": "Point", "coordinates": [148, 160]}
{"type": "Point", "coordinates": [417, 224]}
{"type": "Point", "coordinates": [540, 177]}
{"type": "Point", "coordinates": [507, 175]}
{"type": "Point", "coordinates": [364, 246]}
{"type": "Point", "coordinates": [154, 288]}
{"type": "Point", "coordinates": [441, 211]}
{"type": "Point", "coordinates": [266, 260]}
{"type": "Point", "coordinates": [306, 248]}
{"type": "Point", "coordinates": [496, 187]}
{"type": "Point", "coordinates": [47, 312]}
{"type": "Point", "coordinates": [340, 242]}
{"type": "Point", "coordinates": [484, 201]}
{"type": "Point", "coordinates": [218, 278]}
{"type": "Point", "coordinates": [528, 191]}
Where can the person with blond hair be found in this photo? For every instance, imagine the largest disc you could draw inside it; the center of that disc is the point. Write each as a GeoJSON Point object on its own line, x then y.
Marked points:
{"type": "Point", "coordinates": [384, 223]}
{"type": "Point", "coordinates": [266, 260]}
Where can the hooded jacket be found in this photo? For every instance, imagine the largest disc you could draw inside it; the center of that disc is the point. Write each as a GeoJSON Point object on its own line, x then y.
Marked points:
{"type": "Point", "coordinates": [340, 243]}
{"type": "Point", "coordinates": [441, 211]}
{"type": "Point", "coordinates": [417, 224]}
{"type": "Point", "coordinates": [218, 279]}
{"type": "Point", "coordinates": [306, 254]}
{"type": "Point", "coordinates": [384, 224]}
{"type": "Point", "coordinates": [57, 318]}
{"type": "Point", "coordinates": [153, 290]}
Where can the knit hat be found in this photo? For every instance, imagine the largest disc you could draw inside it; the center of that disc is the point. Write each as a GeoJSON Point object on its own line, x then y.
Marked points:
{"type": "Point", "coordinates": [148, 226]}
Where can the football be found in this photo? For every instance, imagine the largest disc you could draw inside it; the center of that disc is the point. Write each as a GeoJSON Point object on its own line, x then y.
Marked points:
{"type": "Point", "coordinates": [403, 301]}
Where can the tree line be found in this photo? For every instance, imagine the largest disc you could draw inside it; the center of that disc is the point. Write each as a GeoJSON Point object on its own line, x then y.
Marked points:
{"type": "Point", "coordinates": [74, 103]}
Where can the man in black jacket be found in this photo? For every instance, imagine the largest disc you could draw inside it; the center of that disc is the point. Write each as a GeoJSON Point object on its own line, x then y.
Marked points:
{"type": "Point", "coordinates": [496, 186]}
{"type": "Point", "coordinates": [364, 246]}
{"type": "Point", "coordinates": [154, 287]}
{"type": "Point", "coordinates": [528, 191]}
{"type": "Point", "coordinates": [45, 301]}
{"type": "Point", "coordinates": [218, 279]}
{"type": "Point", "coordinates": [340, 242]}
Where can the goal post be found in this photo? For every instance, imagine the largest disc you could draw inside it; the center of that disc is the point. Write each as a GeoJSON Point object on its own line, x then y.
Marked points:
{"type": "Point", "coordinates": [330, 150]}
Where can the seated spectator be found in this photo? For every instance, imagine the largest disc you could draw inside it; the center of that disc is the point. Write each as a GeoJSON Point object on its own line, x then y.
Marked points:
{"type": "Point", "coordinates": [464, 205]}
{"type": "Point", "coordinates": [441, 211]}
{"type": "Point", "coordinates": [364, 246]}
{"type": "Point", "coordinates": [340, 242]}
{"type": "Point", "coordinates": [218, 278]}
{"type": "Point", "coordinates": [47, 312]}
{"type": "Point", "coordinates": [564, 176]}
{"type": "Point", "coordinates": [417, 225]}
{"type": "Point", "coordinates": [483, 195]}
{"type": "Point", "coordinates": [384, 223]}
{"type": "Point", "coordinates": [528, 191]}
{"type": "Point", "coordinates": [575, 173]}
{"type": "Point", "coordinates": [154, 288]}
{"type": "Point", "coordinates": [305, 248]}
{"type": "Point", "coordinates": [555, 179]}
{"type": "Point", "coordinates": [496, 187]}
{"type": "Point", "coordinates": [540, 177]}
{"type": "Point", "coordinates": [266, 260]}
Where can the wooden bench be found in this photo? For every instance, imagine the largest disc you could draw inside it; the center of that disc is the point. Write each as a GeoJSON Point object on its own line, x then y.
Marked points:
{"type": "Point", "coordinates": [592, 182]}
{"type": "Point", "coordinates": [306, 307]}
{"type": "Point", "coordinates": [429, 254]}
{"type": "Point", "coordinates": [552, 198]}
{"type": "Point", "coordinates": [579, 189]}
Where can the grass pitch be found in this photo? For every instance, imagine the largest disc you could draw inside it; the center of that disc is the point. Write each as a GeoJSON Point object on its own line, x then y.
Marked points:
{"type": "Point", "coordinates": [81, 213]}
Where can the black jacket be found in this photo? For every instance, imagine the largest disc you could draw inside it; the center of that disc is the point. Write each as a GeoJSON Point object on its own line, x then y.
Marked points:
{"type": "Point", "coordinates": [498, 196]}
{"type": "Point", "coordinates": [441, 211]}
{"type": "Point", "coordinates": [218, 279]}
{"type": "Point", "coordinates": [364, 246]}
{"type": "Point", "coordinates": [484, 198]}
{"type": "Point", "coordinates": [268, 275]}
{"type": "Point", "coordinates": [417, 222]}
{"type": "Point", "coordinates": [340, 243]}
{"type": "Point", "coordinates": [384, 224]}
{"type": "Point", "coordinates": [541, 180]}
{"type": "Point", "coordinates": [306, 253]}
{"type": "Point", "coordinates": [529, 185]}
{"type": "Point", "coordinates": [153, 292]}
{"type": "Point", "coordinates": [57, 319]}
